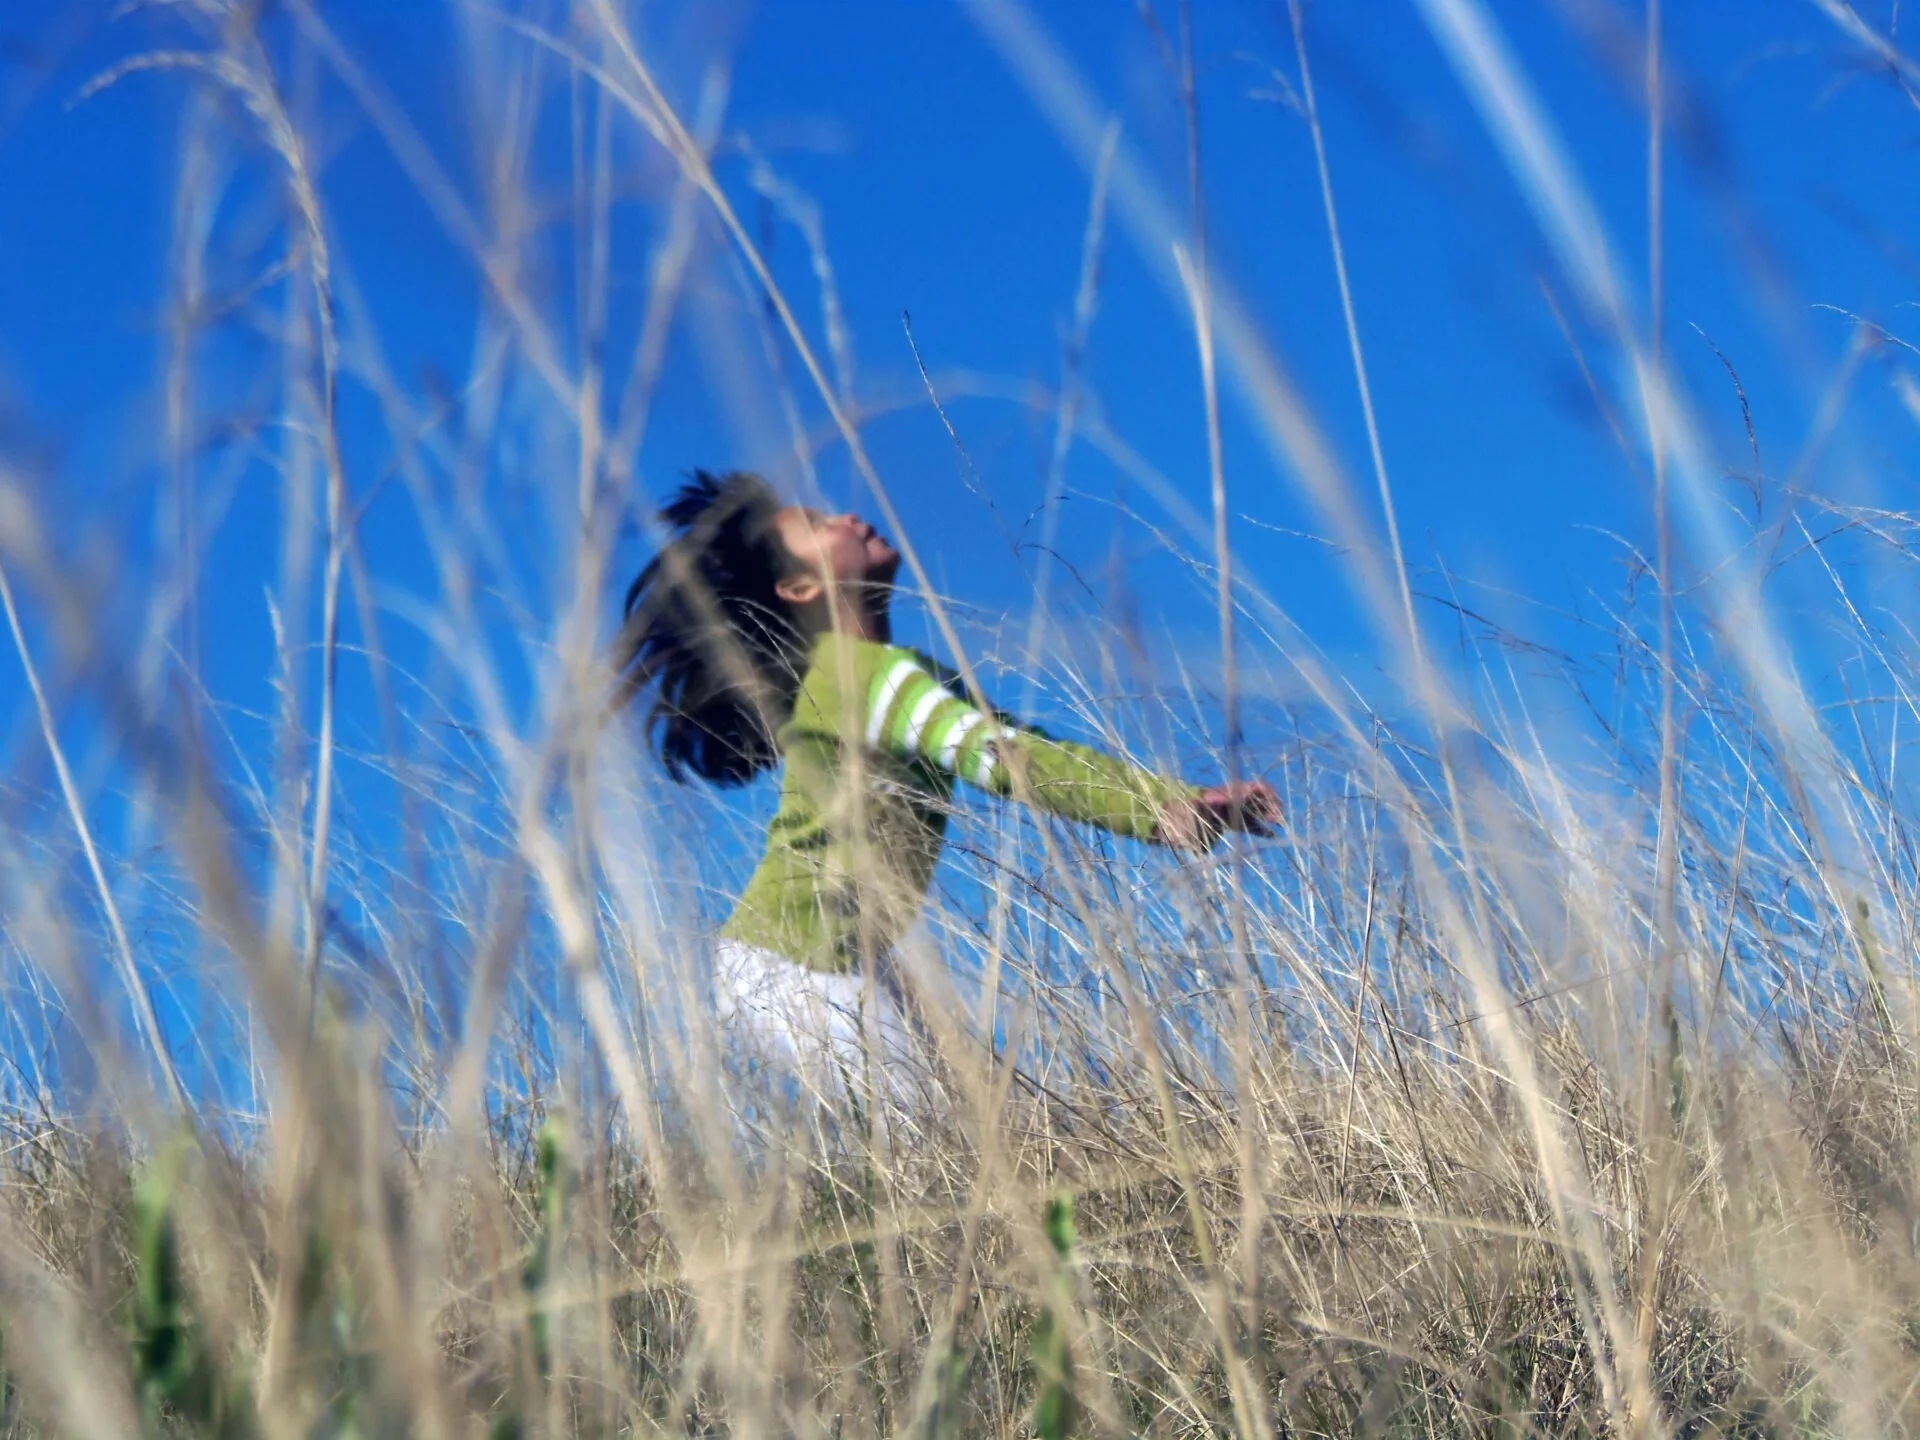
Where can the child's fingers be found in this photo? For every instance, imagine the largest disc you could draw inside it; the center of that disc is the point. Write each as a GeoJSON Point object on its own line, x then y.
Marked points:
{"type": "Point", "coordinates": [1257, 808]}
{"type": "Point", "coordinates": [1258, 820]}
{"type": "Point", "coordinates": [1250, 807]}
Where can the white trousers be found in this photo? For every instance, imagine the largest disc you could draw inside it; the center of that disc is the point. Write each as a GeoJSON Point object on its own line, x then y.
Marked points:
{"type": "Point", "coordinates": [812, 1034]}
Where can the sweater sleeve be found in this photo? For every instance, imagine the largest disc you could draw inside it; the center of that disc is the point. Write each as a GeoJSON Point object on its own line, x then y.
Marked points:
{"type": "Point", "coordinates": [914, 712]}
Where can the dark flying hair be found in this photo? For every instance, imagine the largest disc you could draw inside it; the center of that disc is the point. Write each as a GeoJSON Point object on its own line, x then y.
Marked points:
{"type": "Point", "coordinates": [709, 638]}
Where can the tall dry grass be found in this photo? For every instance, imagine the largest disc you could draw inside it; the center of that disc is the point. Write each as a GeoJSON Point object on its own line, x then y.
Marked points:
{"type": "Point", "coordinates": [1545, 1078]}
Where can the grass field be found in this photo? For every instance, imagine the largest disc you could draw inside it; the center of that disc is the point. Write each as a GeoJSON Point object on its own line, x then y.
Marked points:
{"type": "Point", "coordinates": [1537, 1080]}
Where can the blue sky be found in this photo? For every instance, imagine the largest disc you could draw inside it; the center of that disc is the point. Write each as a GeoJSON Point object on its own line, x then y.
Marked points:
{"type": "Point", "coordinates": [943, 192]}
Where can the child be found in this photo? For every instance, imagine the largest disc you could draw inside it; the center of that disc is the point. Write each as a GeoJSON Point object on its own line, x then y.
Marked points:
{"type": "Point", "coordinates": [761, 631]}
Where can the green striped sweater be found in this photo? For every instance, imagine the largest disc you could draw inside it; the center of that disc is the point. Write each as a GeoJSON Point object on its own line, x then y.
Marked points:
{"type": "Point", "coordinates": [878, 738]}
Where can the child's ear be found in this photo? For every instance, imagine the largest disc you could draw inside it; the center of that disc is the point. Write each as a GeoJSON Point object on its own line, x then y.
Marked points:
{"type": "Point", "coordinates": [801, 589]}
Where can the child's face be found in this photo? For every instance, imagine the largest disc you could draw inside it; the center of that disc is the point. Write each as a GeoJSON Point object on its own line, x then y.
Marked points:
{"type": "Point", "coordinates": [839, 551]}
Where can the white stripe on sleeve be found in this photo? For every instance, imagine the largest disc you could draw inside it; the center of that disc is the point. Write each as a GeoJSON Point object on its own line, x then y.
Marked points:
{"type": "Point", "coordinates": [922, 712]}
{"type": "Point", "coordinates": [883, 697]}
{"type": "Point", "coordinates": [949, 755]}
{"type": "Point", "coordinates": [986, 762]}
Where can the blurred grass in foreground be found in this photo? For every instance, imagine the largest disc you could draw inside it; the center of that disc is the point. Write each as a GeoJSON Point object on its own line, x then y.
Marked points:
{"type": "Point", "coordinates": [1543, 1082]}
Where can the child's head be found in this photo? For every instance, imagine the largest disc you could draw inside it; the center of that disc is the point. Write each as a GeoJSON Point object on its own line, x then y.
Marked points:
{"type": "Point", "coordinates": [719, 623]}
{"type": "Point", "coordinates": [843, 567]}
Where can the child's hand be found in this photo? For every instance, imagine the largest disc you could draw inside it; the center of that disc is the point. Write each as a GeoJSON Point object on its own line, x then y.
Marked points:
{"type": "Point", "coordinates": [1194, 822]}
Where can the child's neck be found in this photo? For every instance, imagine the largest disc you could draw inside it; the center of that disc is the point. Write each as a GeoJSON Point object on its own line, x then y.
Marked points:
{"type": "Point", "coordinates": [858, 621]}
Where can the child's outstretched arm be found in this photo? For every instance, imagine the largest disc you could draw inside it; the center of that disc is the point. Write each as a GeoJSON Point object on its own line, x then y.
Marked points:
{"type": "Point", "coordinates": [913, 714]}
